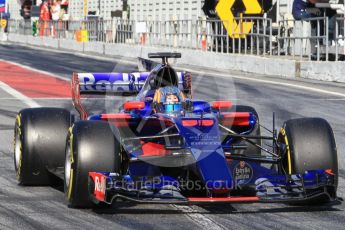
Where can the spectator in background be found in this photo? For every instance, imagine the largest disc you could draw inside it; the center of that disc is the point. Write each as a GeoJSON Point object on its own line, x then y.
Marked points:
{"type": "Point", "coordinates": [64, 9]}
{"type": "Point", "coordinates": [45, 17]}
{"type": "Point", "coordinates": [301, 9]}
{"type": "Point", "coordinates": [45, 11]}
{"type": "Point", "coordinates": [25, 12]}
{"type": "Point", "coordinates": [304, 9]}
{"type": "Point", "coordinates": [64, 2]}
{"type": "Point", "coordinates": [57, 16]}
{"type": "Point", "coordinates": [56, 10]}
{"type": "Point", "coordinates": [26, 9]}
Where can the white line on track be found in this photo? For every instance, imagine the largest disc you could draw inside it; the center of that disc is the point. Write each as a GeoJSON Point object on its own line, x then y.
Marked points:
{"type": "Point", "coordinates": [222, 75]}
{"type": "Point", "coordinates": [28, 101]}
{"type": "Point", "coordinates": [272, 83]}
{"type": "Point", "coordinates": [202, 220]}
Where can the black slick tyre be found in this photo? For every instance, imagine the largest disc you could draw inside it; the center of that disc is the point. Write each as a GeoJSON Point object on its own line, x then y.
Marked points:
{"type": "Point", "coordinates": [91, 147]}
{"type": "Point", "coordinates": [39, 144]}
{"type": "Point", "coordinates": [309, 145]}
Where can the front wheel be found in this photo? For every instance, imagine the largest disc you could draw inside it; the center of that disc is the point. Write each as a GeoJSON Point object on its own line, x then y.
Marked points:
{"type": "Point", "coordinates": [309, 145]}
{"type": "Point", "coordinates": [91, 147]}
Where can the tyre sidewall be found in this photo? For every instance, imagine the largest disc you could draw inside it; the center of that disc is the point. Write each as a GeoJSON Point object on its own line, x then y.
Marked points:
{"type": "Point", "coordinates": [94, 148]}
{"type": "Point", "coordinates": [41, 142]}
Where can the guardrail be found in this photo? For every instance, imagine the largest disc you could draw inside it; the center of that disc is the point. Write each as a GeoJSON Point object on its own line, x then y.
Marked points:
{"type": "Point", "coordinates": [339, 39]}
{"type": "Point", "coordinates": [298, 38]}
{"type": "Point", "coordinates": [307, 39]}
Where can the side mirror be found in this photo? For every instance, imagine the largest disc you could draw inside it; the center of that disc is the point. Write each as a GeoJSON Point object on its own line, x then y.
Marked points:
{"type": "Point", "coordinates": [134, 105]}
{"type": "Point", "coordinates": [221, 105]}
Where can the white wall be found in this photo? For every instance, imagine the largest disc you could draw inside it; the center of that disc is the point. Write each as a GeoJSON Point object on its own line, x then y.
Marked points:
{"type": "Point", "coordinates": [76, 8]}
{"type": "Point", "coordinates": [165, 9]}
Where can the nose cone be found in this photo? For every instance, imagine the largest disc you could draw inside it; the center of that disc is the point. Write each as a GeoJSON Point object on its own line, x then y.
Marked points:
{"type": "Point", "coordinates": [213, 169]}
{"type": "Point", "coordinates": [205, 145]}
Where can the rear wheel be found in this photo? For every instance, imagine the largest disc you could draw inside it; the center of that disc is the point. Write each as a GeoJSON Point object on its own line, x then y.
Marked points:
{"type": "Point", "coordinates": [91, 147]}
{"type": "Point", "coordinates": [309, 145]}
{"type": "Point", "coordinates": [39, 144]}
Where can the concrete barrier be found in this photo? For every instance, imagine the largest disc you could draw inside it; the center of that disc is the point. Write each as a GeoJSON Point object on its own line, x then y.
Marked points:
{"type": "Point", "coordinates": [324, 71]}
{"type": "Point", "coordinates": [43, 41]}
{"type": "Point", "coordinates": [71, 45]}
{"type": "Point", "coordinates": [3, 35]}
{"type": "Point", "coordinates": [94, 47]}
{"type": "Point", "coordinates": [35, 41]}
{"type": "Point", "coordinates": [245, 63]}
{"type": "Point", "coordinates": [131, 51]}
{"type": "Point", "coordinates": [273, 66]}
{"type": "Point", "coordinates": [17, 38]}
{"type": "Point", "coordinates": [50, 42]}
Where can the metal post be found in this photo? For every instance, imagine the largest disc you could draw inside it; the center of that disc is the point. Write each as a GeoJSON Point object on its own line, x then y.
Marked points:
{"type": "Point", "coordinates": [257, 38]}
{"type": "Point", "coordinates": [221, 39]}
{"type": "Point", "coordinates": [227, 37]}
{"type": "Point", "coordinates": [246, 40]}
{"type": "Point", "coordinates": [318, 40]}
{"type": "Point", "coordinates": [251, 41]}
{"type": "Point", "coordinates": [270, 38]}
{"type": "Point", "coordinates": [264, 37]}
{"type": "Point", "coordinates": [233, 37]}
{"type": "Point", "coordinates": [301, 41]}
{"type": "Point", "coordinates": [327, 40]}
{"type": "Point", "coordinates": [336, 38]}
{"type": "Point", "coordinates": [217, 36]}
{"type": "Point", "coordinates": [240, 34]}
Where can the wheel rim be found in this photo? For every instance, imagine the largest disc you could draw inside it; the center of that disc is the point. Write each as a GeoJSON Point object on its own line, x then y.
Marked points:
{"type": "Point", "coordinates": [17, 151]}
{"type": "Point", "coordinates": [68, 165]}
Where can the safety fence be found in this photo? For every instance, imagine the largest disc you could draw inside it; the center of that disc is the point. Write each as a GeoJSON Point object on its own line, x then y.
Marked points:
{"type": "Point", "coordinates": [303, 38]}
{"type": "Point", "coordinates": [310, 39]}
{"type": "Point", "coordinates": [314, 38]}
{"type": "Point", "coordinates": [339, 39]}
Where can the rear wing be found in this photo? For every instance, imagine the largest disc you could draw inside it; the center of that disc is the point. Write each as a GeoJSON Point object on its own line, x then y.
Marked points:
{"type": "Point", "coordinates": [104, 83]}
{"type": "Point", "coordinates": [114, 83]}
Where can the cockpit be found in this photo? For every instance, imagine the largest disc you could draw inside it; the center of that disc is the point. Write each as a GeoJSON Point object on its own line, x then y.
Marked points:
{"type": "Point", "coordinates": [160, 77]}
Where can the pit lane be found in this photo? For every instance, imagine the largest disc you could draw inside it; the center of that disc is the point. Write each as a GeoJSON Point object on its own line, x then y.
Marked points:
{"type": "Point", "coordinates": [45, 207]}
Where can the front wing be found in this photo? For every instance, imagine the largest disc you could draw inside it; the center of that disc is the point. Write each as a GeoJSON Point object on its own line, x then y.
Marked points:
{"type": "Point", "coordinates": [105, 187]}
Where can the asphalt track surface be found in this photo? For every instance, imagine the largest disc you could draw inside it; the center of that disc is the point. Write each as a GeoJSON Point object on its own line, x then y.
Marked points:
{"type": "Point", "coordinates": [45, 207]}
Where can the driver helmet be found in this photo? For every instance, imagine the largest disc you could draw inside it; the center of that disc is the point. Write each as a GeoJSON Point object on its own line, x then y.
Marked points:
{"type": "Point", "coordinates": [172, 103]}
{"type": "Point", "coordinates": [171, 98]}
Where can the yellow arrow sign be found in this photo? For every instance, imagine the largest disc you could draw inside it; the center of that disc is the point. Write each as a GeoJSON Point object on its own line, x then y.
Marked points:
{"type": "Point", "coordinates": [252, 6]}
{"type": "Point", "coordinates": [225, 14]}
{"type": "Point", "coordinates": [237, 28]}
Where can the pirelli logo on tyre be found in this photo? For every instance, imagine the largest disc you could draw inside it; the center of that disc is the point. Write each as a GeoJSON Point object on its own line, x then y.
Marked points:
{"type": "Point", "coordinates": [237, 28]}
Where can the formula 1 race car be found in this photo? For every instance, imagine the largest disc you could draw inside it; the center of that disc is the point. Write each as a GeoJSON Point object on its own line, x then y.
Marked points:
{"type": "Point", "coordinates": [165, 147]}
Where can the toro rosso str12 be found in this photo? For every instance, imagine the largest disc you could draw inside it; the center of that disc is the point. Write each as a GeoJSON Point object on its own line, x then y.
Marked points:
{"type": "Point", "coordinates": [165, 147]}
